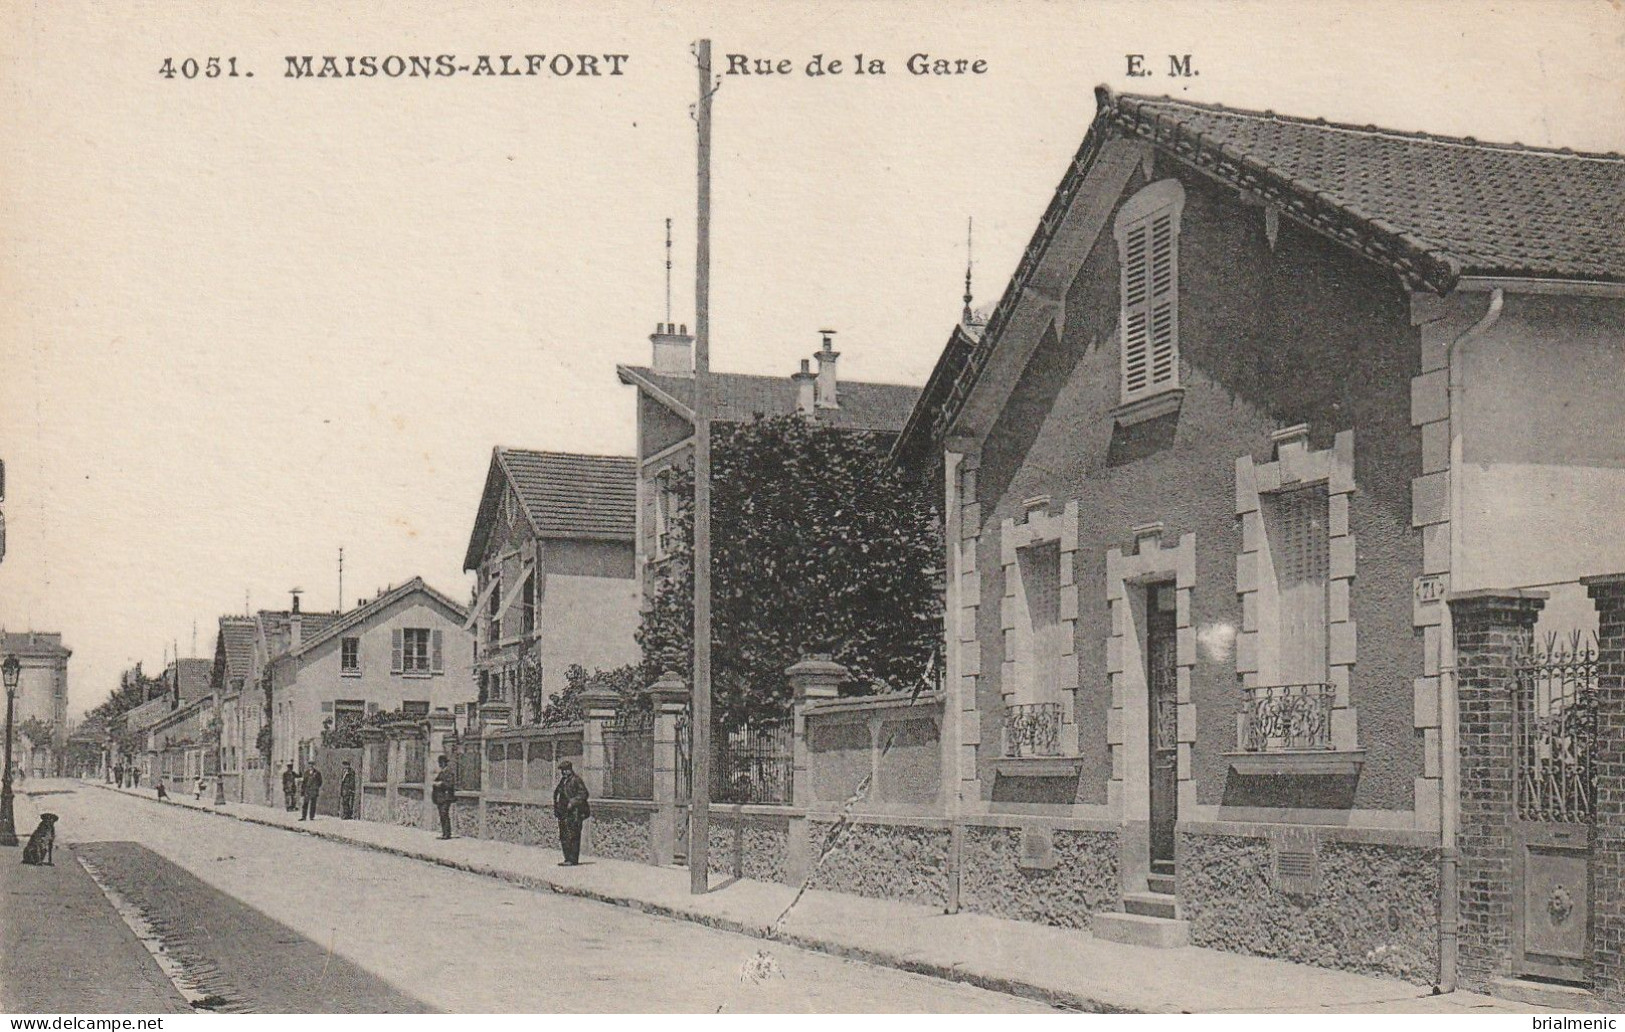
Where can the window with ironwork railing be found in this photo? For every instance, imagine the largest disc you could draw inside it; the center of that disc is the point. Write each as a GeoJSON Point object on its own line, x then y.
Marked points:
{"type": "Point", "coordinates": [1555, 728]}
{"type": "Point", "coordinates": [1032, 729]}
{"type": "Point", "coordinates": [1287, 718]}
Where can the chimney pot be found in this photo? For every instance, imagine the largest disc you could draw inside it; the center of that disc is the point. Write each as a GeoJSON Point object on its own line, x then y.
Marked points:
{"type": "Point", "coordinates": [806, 388]}
{"type": "Point", "coordinates": [673, 350]}
{"type": "Point", "coordinates": [827, 396]}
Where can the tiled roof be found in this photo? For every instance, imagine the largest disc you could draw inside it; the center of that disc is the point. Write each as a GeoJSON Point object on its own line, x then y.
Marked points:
{"type": "Point", "coordinates": [739, 397]}
{"type": "Point", "coordinates": [361, 614]}
{"type": "Point", "coordinates": [194, 677]}
{"type": "Point", "coordinates": [1475, 208]}
{"type": "Point", "coordinates": [1430, 208]}
{"type": "Point", "coordinates": [275, 624]}
{"type": "Point", "coordinates": [564, 495]}
{"type": "Point", "coordinates": [33, 643]}
{"type": "Point", "coordinates": [237, 634]}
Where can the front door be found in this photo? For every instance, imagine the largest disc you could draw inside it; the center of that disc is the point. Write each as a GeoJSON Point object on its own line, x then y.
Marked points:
{"type": "Point", "coordinates": [1554, 733]}
{"type": "Point", "coordinates": [1162, 682]}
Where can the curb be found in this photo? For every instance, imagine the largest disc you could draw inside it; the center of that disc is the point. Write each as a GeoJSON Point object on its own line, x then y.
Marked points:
{"type": "Point", "coordinates": [1059, 998]}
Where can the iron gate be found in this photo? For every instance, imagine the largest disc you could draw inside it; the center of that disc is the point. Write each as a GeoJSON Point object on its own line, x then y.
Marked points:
{"type": "Point", "coordinates": [1554, 728]}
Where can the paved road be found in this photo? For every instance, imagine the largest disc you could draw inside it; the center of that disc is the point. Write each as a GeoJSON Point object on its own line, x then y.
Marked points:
{"type": "Point", "coordinates": [344, 928]}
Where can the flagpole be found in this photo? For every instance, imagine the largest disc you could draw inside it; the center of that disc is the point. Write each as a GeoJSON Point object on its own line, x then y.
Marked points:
{"type": "Point", "coordinates": [699, 835]}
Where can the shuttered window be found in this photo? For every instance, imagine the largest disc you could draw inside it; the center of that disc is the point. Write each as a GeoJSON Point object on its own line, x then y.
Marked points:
{"type": "Point", "coordinates": [1297, 527]}
{"type": "Point", "coordinates": [1148, 252]}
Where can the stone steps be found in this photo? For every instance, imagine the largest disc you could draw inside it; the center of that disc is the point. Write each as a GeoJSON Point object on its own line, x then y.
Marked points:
{"type": "Point", "coordinates": [1163, 883]}
{"type": "Point", "coordinates": [1151, 904]}
{"type": "Point", "coordinates": [1140, 930]}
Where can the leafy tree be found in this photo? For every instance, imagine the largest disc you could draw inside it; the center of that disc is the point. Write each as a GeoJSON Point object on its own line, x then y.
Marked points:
{"type": "Point", "coordinates": [818, 546]}
{"type": "Point", "coordinates": [38, 732]}
{"type": "Point", "coordinates": [565, 707]}
{"type": "Point", "coordinates": [130, 693]}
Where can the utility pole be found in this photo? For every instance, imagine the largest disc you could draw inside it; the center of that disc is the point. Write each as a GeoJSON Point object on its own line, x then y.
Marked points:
{"type": "Point", "coordinates": [340, 606]}
{"type": "Point", "coordinates": [699, 810]}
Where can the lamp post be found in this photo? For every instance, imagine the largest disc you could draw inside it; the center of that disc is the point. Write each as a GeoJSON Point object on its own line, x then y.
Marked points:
{"type": "Point", "coordinates": [12, 670]}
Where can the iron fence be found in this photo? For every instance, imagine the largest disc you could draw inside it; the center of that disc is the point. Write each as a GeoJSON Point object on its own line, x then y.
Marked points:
{"type": "Point", "coordinates": [1288, 718]}
{"type": "Point", "coordinates": [1032, 729]}
{"type": "Point", "coordinates": [629, 754]}
{"type": "Point", "coordinates": [1555, 728]}
{"type": "Point", "coordinates": [753, 763]}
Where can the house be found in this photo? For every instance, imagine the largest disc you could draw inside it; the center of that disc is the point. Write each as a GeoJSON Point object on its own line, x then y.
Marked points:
{"type": "Point", "coordinates": [42, 698]}
{"type": "Point", "coordinates": [405, 650]}
{"type": "Point", "coordinates": [665, 417]}
{"type": "Point", "coordinates": [552, 554]}
{"type": "Point", "coordinates": [242, 706]}
{"type": "Point", "coordinates": [1266, 400]}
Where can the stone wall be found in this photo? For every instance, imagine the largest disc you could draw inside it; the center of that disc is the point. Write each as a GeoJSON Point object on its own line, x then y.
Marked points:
{"type": "Point", "coordinates": [1083, 880]}
{"type": "Point", "coordinates": [408, 808]}
{"type": "Point", "coordinates": [750, 846]}
{"type": "Point", "coordinates": [620, 833]}
{"type": "Point", "coordinates": [1373, 909]}
{"type": "Point", "coordinates": [530, 824]}
{"type": "Point", "coordinates": [1608, 843]}
{"type": "Point", "coordinates": [374, 805]}
{"type": "Point", "coordinates": [465, 817]}
{"type": "Point", "coordinates": [907, 862]}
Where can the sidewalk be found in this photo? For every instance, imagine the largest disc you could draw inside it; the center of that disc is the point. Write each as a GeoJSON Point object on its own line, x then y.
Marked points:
{"type": "Point", "coordinates": [1060, 966]}
{"type": "Point", "coordinates": [63, 948]}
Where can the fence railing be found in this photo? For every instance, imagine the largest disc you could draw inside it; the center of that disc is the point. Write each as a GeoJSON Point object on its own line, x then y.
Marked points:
{"type": "Point", "coordinates": [629, 755]}
{"type": "Point", "coordinates": [1555, 728]}
{"type": "Point", "coordinates": [1287, 718]}
{"type": "Point", "coordinates": [753, 763]}
{"type": "Point", "coordinates": [1032, 729]}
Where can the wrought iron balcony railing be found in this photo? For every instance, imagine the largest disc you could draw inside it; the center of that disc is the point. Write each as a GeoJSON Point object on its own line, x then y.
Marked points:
{"type": "Point", "coordinates": [1032, 729]}
{"type": "Point", "coordinates": [1287, 718]}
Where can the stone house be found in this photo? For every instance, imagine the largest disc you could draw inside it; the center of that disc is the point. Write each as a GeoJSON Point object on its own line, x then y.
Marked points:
{"type": "Point", "coordinates": [241, 705]}
{"type": "Point", "coordinates": [404, 650]}
{"type": "Point", "coordinates": [552, 555]}
{"type": "Point", "coordinates": [1263, 394]}
{"type": "Point", "coordinates": [42, 694]}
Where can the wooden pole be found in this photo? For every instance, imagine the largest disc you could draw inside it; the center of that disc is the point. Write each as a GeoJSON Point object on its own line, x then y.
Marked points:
{"type": "Point", "coordinates": [699, 810]}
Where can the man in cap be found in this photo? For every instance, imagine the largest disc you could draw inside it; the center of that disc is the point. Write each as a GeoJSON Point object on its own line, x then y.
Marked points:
{"type": "Point", "coordinates": [570, 807]}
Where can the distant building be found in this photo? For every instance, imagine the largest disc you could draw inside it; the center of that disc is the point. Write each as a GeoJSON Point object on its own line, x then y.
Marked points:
{"type": "Point", "coordinates": [42, 694]}
{"type": "Point", "coordinates": [404, 650]}
{"type": "Point", "coordinates": [552, 553]}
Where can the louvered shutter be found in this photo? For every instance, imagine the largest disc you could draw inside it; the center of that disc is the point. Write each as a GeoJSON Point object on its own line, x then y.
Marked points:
{"type": "Point", "coordinates": [1299, 551]}
{"type": "Point", "coordinates": [436, 661]}
{"type": "Point", "coordinates": [397, 644]}
{"type": "Point", "coordinates": [1148, 253]}
{"type": "Point", "coordinates": [1163, 303]}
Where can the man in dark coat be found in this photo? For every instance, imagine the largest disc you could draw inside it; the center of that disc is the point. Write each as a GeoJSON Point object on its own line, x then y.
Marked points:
{"type": "Point", "coordinates": [444, 794]}
{"type": "Point", "coordinates": [570, 807]}
{"type": "Point", "coordinates": [347, 786]}
{"type": "Point", "coordinates": [311, 786]}
{"type": "Point", "coordinates": [290, 787]}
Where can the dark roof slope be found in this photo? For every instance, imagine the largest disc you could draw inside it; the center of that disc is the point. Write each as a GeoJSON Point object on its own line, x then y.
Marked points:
{"type": "Point", "coordinates": [1476, 208]}
{"type": "Point", "coordinates": [237, 635]}
{"type": "Point", "coordinates": [564, 495]}
{"type": "Point", "coordinates": [739, 397]}
{"type": "Point", "coordinates": [1430, 208]}
{"type": "Point", "coordinates": [363, 613]}
{"type": "Point", "coordinates": [193, 682]}
{"type": "Point", "coordinates": [33, 643]}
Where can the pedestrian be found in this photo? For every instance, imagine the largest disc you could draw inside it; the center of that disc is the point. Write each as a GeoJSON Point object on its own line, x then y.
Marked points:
{"type": "Point", "coordinates": [570, 807]}
{"type": "Point", "coordinates": [347, 792]}
{"type": "Point", "coordinates": [135, 777]}
{"type": "Point", "coordinates": [290, 787]}
{"type": "Point", "coordinates": [312, 789]}
{"type": "Point", "coordinates": [444, 793]}
{"type": "Point", "coordinates": [162, 792]}
{"type": "Point", "coordinates": [118, 774]}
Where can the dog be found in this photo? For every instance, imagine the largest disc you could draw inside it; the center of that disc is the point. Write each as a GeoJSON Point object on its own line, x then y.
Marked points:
{"type": "Point", "coordinates": [41, 848]}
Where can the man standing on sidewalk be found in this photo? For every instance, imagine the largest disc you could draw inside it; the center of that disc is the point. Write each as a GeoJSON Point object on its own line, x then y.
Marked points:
{"type": "Point", "coordinates": [312, 788]}
{"type": "Point", "coordinates": [444, 794]}
{"type": "Point", "coordinates": [347, 792]}
{"type": "Point", "coordinates": [290, 787]}
{"type": "Point", "coordinates": [570, 807]}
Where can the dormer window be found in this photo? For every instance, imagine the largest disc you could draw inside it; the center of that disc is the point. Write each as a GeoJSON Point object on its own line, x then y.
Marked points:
{"type": "Point", "coordinates": [1147, 231]}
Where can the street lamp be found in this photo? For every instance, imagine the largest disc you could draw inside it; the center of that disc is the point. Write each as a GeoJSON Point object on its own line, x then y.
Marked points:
{"type": "Point", "coordinates": [12, 671]}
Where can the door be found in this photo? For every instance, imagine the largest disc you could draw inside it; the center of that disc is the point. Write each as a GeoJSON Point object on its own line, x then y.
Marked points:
{"type": "Point", "coordinates": [1554, 733]}
{"type": "Point", "coordinates": [1162, 683]}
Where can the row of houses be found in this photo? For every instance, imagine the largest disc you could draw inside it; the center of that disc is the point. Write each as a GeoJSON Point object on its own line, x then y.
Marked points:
{"type": "Point", "coordinates": [1281, 494]}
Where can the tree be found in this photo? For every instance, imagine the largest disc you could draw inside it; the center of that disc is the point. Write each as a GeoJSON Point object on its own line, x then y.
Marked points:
{"type": "Point", "coordinates": [565, 707]}
{"type": "Point", "coordinates": [131, 692]}
{"type": "Point", "coordinates": [819, 545]}
{"type": "Point", "coordinates": [38, 732]}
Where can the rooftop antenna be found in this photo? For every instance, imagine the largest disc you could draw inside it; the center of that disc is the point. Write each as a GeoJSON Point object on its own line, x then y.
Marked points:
{"type": "Point", "coordinates": [970, 227]}
{"type": "Point", "coordinates": [668, 270]}
{"type": "Point", "coordinates": [194, 637]}
{"type": "Point", "coordinates": [340, 606]}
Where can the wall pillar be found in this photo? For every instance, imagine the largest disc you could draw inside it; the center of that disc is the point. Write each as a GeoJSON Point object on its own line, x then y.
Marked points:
{"type": "Point", "coordinates": [1608, 768]}
{"type": "Point", "coordinates": [440, 724]}
{"type": "Point", "coordinates": [669, 698]}
{"type": "Point", "coordinates": [598, 706]}
{"type": "Point", "coordinates": [1491, 629]}
{"type": "Point", "coordinates": [815, 678]}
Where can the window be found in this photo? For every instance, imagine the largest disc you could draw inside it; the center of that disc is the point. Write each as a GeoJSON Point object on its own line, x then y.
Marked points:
{"type": "Point", "coordinates": [1147, 231]}
{"type": "Point", "coordinates": [493, 629]}
{"type": "Point", "coordinates": [527, 604]}
{"type": "Point", "coordinates": [1033, 715]}
{"type": "Point", "coordinates": [350, 656]}
{"type": "Point", "coordinates": [415, 708]}
{"type": "Point", "coordinates": [665, 504]}
{"type": "Point", "coordinates": [1296, 525]}
{"type": "Point", "coordinates": [417, 651]}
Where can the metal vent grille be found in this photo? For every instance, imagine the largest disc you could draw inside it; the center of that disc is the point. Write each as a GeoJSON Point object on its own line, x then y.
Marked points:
{"type": "Point", "coordinates": [1297, 864]}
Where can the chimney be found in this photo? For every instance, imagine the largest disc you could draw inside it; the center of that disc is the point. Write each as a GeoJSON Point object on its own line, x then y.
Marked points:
{"type": "Point", "coordinates": [826, 372]}
{"type": "Point", "coordinates": [806, 388]}
{"type": "Point", "coordinates": [296, 623]}
{"type": "Point", "coordinates": [673, 350]}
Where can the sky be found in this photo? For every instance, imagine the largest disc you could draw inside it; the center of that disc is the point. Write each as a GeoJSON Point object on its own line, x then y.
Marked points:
{"type": "Point", "coordinates": [245, 322]}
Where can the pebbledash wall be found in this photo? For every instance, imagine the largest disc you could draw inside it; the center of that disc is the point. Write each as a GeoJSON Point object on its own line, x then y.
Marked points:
{"type": "Point", "coordinates": [1298, 362]}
